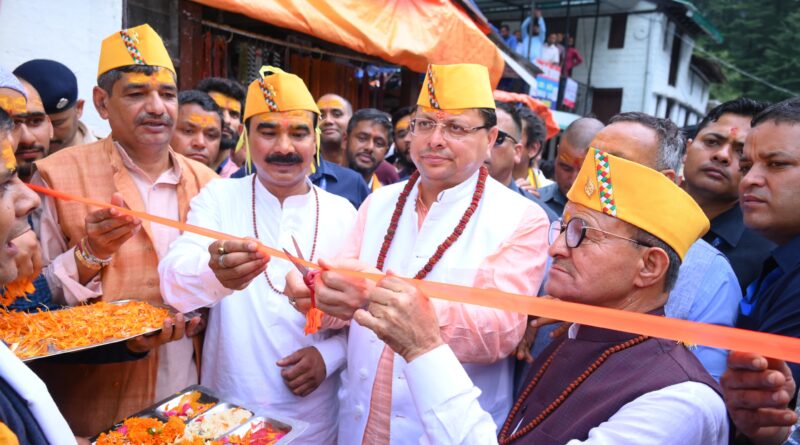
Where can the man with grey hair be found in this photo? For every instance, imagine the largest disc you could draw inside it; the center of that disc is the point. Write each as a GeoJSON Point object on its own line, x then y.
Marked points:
{"type": "Point", "coordinates": [707, 289]}
{"type": "Point", "coordinates": [569, 157]}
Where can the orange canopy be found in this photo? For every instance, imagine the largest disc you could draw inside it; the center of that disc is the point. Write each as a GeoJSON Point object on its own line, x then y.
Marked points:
{"type": "Point", "coordinates": [403, 32]}
{"type": "Point", "coordinates": [541, 110]}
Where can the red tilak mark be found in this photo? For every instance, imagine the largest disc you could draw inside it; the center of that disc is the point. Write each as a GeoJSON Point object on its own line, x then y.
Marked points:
{"type": "Point", "coordinates": [734, 132]}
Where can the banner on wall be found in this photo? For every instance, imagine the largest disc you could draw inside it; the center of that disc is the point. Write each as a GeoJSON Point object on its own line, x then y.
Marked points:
{"type": "Point", "coordinates": [546, 89]}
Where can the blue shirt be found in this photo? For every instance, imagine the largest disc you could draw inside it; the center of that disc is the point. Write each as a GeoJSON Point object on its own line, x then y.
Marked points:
{"type": "Point", "coordinates": [334, 179]}
{"type": "Point", "coordinates": [552, 196]}
{"type": "Point", "coordinates": [706, 291]}
{"type": "Point", "coordinates": [551, 215]}
{"type": "Point", "coordinates": [776, 309]}
{"type": "Point", "coordinates": [533, 42]}
{"type": "Point", "coordinates": [40, 299]}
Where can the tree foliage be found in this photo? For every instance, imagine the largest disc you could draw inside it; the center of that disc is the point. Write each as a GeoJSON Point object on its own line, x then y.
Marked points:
{"type": "Point", "coordinates": [762, 37]}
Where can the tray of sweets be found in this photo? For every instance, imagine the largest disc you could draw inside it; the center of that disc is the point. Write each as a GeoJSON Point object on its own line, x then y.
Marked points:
{"type": "Point", "coordinates": [43, 334]}
{"type": "Point", "coordinates": [196, 416]}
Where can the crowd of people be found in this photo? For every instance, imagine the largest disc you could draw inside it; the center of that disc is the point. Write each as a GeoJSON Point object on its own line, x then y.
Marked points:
{"type": "Point", "coordinates": [638, 217]}
{"type": "Point", "coordinates": [533, 43]}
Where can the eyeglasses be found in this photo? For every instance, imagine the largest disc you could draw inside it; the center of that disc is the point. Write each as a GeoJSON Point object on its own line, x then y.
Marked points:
{"type": "Point", "coordinates": [501, 138]}
{"type": "Point", "coordinates": [576, 231]}
{"type": "Point", "coordinates": [450, 130]}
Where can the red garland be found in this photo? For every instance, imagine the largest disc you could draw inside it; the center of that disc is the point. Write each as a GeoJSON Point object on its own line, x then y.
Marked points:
{"type": "Point", "coordinates": [398, 210]}
{"type": "Point", "coordinates": [505, 439]}
{"type": "Point", "coordinates": [316, 230]}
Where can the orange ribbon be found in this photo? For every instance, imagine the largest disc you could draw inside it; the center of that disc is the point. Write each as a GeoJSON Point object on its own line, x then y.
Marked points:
{"type": "Point", "coordinates": [687, 332]}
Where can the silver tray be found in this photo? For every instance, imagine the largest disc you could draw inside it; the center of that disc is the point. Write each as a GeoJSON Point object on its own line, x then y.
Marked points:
{"type": "Point", "coordinates": [295, 427]}
{"type": "Point", "coordinates": [205, 397]}
{"type": "Point", "coordinates": [292, 427]}
{"type": "Point", "coordinates": [223, 406]}
{"type": "Point", "coordinates": [52, 351]}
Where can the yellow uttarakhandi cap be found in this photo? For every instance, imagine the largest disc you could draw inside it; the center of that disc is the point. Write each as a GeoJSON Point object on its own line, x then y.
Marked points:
{"type": "Point", "coordinates": [639, 196]}
{"type": "Point", "coordinates": [456, 87]}
{"type": "Point", "coordinates": [277, 91]}
{"type": "Point", "coordinates": [134, 46]}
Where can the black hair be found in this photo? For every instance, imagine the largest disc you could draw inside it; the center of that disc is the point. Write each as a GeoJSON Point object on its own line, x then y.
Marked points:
{"type": "Point", "coordinates": [785, 112]}
{"type": "Point", "coordinates": [742, 106]}
{"type": "Point", "coordinates": [489, 117]}
{"type": "Point", "coordinates": [403, 112]}
{"type": "Point", "coordinates": [202, 99]}
{"type": "Point", "coordinates": [375, 116]}
{"type": "Point", "coordinates": [228, 87]}
{"type": "Point", "coordinates": [671, 277]}
{"type": "Point", "coordinates": [512, 111]}
{"type": "Point", "coordinates": [505, 26]}
{"type": "Point", "coordinates": [670, 138]}
{"type": "Point", "coordinates": [535, 131]}
{"type": "Point", "coordinates": [107, 80]}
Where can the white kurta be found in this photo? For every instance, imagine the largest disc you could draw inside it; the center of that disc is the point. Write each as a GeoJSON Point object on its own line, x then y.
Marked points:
{"type": "Point", "coordinates": [249, 330]}
{"type": "Point", "coordinates": [502, 247]}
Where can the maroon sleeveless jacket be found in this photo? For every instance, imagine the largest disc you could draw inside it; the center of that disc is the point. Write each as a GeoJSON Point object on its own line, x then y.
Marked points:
{"type": "Point", "coordinates": [649, 366]}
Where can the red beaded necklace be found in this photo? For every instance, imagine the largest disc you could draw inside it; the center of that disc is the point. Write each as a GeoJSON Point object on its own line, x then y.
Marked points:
{"type": "Point", "coordinates": [316, 229]}
{"type": "Point", "coordinates": [505, 439]}
{"type": "Point", "coordinates": [398, 211]}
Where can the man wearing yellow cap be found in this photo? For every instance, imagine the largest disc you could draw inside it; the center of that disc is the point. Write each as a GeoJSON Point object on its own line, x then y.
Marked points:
{"type": "Point", "coordinates": [93, 254]}
{"type": "Point", "coordinates": [255, 351]}
{"type": "Point", "coordinates": [625, 230]}
{"type": "Point", "coordinates": [451, 223]}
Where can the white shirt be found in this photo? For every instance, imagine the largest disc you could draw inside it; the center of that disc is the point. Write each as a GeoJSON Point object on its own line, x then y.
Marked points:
{"type": "Point", "coordinates": [31, 389]}
{"type": "Point", "coordinates": [447, 402]}
{"type": "Point", "coordinates": [550, 54]}
{"type": "Point", "coordinates": [249, 330]}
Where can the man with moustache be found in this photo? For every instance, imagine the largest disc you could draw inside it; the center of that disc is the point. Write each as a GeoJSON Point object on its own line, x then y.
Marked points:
{"type": "Point", "coordinates": [369, 135]}
{"type": "Point", "coordinates": [451, 223]}
{"type": "Point", "coordinates": [199, 127]}
{"type": "Point", "coordinates": [99, 254]}
{"type": "Point", "coordinates": [229, 96]}
{"type": "Point", "coordinates": [617, 248]}
{"type": "Point", "coordinates": [58, 88]}
{"type": "Point", "coordinates": [255, 350]}
{"type": "Point", "coordinates": [711, 171]}
{"type": "Point", "coordinates": [35, 132]}
{"type": "Point", "coordinates": [402, 142]}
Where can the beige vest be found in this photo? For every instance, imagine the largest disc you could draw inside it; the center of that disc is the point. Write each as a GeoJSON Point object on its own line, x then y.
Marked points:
{"type": "Point", "coordinates": [93, 397]}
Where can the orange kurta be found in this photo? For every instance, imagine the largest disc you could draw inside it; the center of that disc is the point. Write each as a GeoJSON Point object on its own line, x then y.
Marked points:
{"type": "Point", "coordinates": [92, 397]}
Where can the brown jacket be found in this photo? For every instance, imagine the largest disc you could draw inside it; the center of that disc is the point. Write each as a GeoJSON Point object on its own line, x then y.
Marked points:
{"type": "Point", "coordinates": [93, 397]}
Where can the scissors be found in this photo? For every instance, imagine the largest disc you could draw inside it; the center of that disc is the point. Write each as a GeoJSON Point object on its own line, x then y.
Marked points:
{"type": "Point", "coordinates": [308, 274]}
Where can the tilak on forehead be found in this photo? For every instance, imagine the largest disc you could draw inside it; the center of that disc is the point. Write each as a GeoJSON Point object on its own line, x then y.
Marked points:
{"type": "Point", "coordinates": [140, 45]}
{"type": "Point", "coordinates": [159, 77]}
{"type": "Point", "coordinates": [452, 89]}
{"type": "Point", "coordinates": [226, 102]}
{"type": "Point", "coordinates": [203, 121]}
{"type": "Point", "coordinates": [640, 196]}
{"type": "Point", "coordinates": [331, 102]}
{"type": "Point", "coordinates": [13, 105]}
{"type": "Point", "coordinates": [277, 92]}
{"type": "Point", "coordinates": [7, 152]}
{"type": "Point", "coordinates": [567, 158]}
